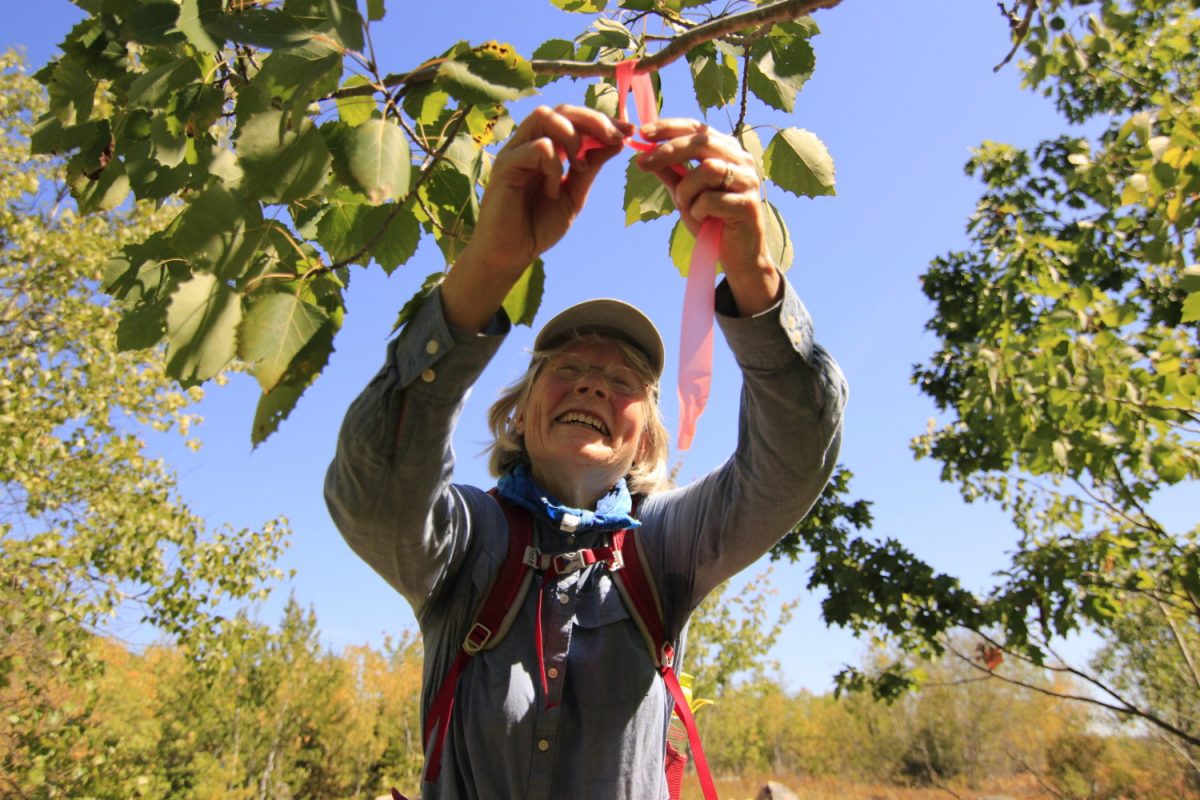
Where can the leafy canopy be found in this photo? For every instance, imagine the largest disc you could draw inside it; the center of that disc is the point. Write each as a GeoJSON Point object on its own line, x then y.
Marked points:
{"type": "Point", "coordinates": [293, 158]}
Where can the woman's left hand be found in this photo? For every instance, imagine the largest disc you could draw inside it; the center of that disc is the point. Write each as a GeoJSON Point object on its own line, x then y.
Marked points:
{"type": "Point", "coordinates": [724, 185]}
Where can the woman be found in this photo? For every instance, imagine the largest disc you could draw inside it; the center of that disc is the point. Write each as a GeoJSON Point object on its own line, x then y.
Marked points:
{"type": "Point", "coordinates": [580, 445]}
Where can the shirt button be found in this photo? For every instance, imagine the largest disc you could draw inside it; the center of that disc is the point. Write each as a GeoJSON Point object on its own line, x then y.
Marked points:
{"type": "Point", "coordinates": [791, 321]}
{"type": "Point", "coordinates": [543, 745]}
{"type": "Point", "coordinates": [428, 376]}
{"type": "Point", "coordinates": [563, 599]}
{"type": "Point", "coordinates": [432, 346]}
{"type": "Point", "coordinates": [552, 673]}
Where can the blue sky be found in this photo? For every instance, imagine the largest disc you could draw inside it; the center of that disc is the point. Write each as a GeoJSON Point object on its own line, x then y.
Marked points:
{"type": "Point", "coordinates": [901, 92]}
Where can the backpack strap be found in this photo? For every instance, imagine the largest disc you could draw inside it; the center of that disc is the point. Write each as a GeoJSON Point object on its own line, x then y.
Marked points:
{"type": "Point", "coordinates": [637, 588]}
{"type": "Point", "coordinates": [500, 606]}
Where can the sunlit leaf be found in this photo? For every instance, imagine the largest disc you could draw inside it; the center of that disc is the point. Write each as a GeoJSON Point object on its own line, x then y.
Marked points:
{"type": "Point", "coordinates": [414, 303]}
{"type": "Point", "coordinates": [799, 162]}
{"type": "Point", "coordinates": [646, 197]}
{"type": "Point", "coordinates": [714, 76]}
{"type": "Point", "coordinates": [395, 234]}
{"type": "Point", "coordinates": [525, 297]}
{"type": "Point", "coordinates": [359, 108]}
{"type": "Point", "coordinates": [378, 160]}
{"type": "Point", "coordinates": [581, 6]}
{"type": "Point", "coordinates": [490, 73]}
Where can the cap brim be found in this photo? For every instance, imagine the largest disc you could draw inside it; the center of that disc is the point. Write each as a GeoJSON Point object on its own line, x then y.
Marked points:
{"type": "Point", "coordinates": [611, 316]}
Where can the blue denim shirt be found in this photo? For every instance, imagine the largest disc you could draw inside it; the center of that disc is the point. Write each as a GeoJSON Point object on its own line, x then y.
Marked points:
{"type": "Point", "coordinates": [601, 732]}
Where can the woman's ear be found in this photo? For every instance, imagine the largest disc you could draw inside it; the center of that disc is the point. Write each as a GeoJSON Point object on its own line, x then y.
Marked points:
{"type": "Point", "coordinates": [519, 423]}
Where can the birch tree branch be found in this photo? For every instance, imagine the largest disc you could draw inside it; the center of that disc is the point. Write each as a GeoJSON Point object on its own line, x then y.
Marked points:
{"type": "Point", "coordinates": [770, 14]}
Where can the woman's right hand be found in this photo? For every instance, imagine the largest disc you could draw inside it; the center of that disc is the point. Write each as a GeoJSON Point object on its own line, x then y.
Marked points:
{"type": "Point", "coordinates": [528, 205]}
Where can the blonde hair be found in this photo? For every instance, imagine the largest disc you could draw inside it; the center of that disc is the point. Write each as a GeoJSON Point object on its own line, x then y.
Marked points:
{"type": "Point", "coordinates": [649, 471]}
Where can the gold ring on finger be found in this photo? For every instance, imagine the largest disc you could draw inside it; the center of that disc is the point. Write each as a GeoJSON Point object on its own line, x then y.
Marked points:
{"type": "Point", "coordinates": [727, 181]}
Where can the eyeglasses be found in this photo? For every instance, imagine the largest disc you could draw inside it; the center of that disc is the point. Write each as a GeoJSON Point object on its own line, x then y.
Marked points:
{"type": "Point", "coordinates": [620, 380]}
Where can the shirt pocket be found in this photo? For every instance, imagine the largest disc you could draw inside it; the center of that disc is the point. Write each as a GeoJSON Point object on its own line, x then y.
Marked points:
{"type": "Point", "coordinates": [608, 662]}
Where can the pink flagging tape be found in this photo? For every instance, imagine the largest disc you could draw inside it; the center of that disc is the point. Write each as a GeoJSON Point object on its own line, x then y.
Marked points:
{"type": "Point", "coordinates": [696, 337]}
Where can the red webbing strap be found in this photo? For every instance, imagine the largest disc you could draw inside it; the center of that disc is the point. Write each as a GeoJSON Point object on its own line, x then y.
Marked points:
{"type": "Point", "coordinates": [634, 582]}
{"type": "Point", "coordinates": [684, 712]}
{"type": "Point", "coordinates": [504, 592]}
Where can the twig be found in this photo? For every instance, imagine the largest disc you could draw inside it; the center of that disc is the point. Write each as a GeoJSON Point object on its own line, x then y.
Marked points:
{"type": "Point", "coordinates": [741, 121]}
{"type": "Point", "coordinates": [1020, 31]}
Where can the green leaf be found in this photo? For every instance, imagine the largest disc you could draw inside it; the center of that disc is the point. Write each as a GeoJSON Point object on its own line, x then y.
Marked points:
{"type": "Point", "coordinates": [603, 97]}
{"type": "Point", "coordinates": [378, 159]}
{"type": "Point", "coordinates": [646, 197]}
{"type": "Point", "coordinates": [415, 302]}
{"type": "Point", "coordinates": [779, 241]}
{"type": "Point", "coordinates": [105, 193]}
{"type": "Point", "coordinates": [606, 33]}
{"type": "Point", "coordinates": [397, 242]}
{"type": "Point", "coordinates": [485, 75]}
{"type": "Point", "coordinates": [375, 10]}
{"type": "Point", "coordinates": [276, 405]}
{"type": "Point", "coordinates": [342, 233]}
{"type": "Point", "coordinates": [154, 22]}
{"type": "Point", "coordinates": [359, 108]}
{"type": "Point", "coordinates": [195, 17]}
{"type": "Point", "coordinates": [525, 297]}
{"type": "Point", "coordinates": [781, 63]}
{"type": "Point", "coordinates": [581, 6]}
{"type": "Point", "coordinates": [273, 408]}
{"type": "Point", "coordinates": [281, 165]}
{"type": "Point", "coordinates": [153, 89]}
{"type": "Point", "coordinates": [682, 243]}
{"type": "Point", "coordinates": [298, 75]}
{"type": "Point", "coordinates": [219, 230]}
{"type": "Point", "coordinates": [345, 23]}
{"type": "Point", "coordinates": [799, 162]}
{"type": "Point", "coordinates": [202, 322]}
{"type": "Point", "coordinates": [274, 329]}
{"type": "Point", "coordinates": [714, 76]}
{"type": "Point", "coordinates": [1191, 308]}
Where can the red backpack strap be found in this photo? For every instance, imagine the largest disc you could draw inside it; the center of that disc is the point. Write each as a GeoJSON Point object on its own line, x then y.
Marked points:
{"type": "Point", "coordinates": [500, 606]}
{"type": "Point", "coordinates": [636, 584]}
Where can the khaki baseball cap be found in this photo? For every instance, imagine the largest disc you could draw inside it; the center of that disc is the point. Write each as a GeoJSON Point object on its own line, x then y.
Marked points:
{"type": "Point", "coordinates": [609, 316]}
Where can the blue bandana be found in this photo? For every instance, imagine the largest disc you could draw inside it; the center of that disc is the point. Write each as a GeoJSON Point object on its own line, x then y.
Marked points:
{"type": "Point", "coordinates": [612, 510]}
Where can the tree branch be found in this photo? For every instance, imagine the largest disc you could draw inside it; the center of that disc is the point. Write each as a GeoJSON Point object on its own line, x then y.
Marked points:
{"type": "Point", "coordinates": [1124, 709]}
{"type": "Point", "coordinates": [780, 11]}
{"type": "Point", "coordinates": [1020, 29]}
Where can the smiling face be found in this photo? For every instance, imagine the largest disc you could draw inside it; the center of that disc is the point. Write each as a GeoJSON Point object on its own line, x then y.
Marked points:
{"type": "Point", "coordinates": [582, 421]}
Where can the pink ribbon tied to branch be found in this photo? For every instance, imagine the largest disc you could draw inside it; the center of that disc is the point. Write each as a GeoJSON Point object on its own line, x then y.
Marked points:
{"type": "Point", "coordinates": [696, 334]}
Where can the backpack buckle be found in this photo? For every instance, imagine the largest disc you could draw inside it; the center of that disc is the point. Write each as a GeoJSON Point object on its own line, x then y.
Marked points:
{"type": "Point", "coordinates": [477, 637]}
{"type": "Point", "coordinates": [569, 562]}
{"type": "Point", "coordinates": [617, 561]}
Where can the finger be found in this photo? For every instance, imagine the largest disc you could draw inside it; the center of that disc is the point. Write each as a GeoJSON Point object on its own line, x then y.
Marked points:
{"type": "Point", "coordinates": [714, 175]}
{"type": "Point", "coordinates": [694, 147]}
{"type": "Point", "coordinates": [544, 121]}
{"type": "Point", "coordinates": [735, 209]}
{"type": "Point", "coordinates": [671, 127]}
{"type": "Point", "coordinates": [606, 129]}
{"type": "Point", "coordinates": [518, 167]}
{"type": "Point", "coordinates": [579, 179]}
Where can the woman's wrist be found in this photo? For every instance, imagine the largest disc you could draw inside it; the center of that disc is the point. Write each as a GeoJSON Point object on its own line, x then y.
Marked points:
{"type": "Point", "coordinates": [755, 288]}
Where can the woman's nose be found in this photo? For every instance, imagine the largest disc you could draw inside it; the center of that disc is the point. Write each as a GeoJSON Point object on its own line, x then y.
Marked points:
{"type": "Point", "coordinates": [593, 380]}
